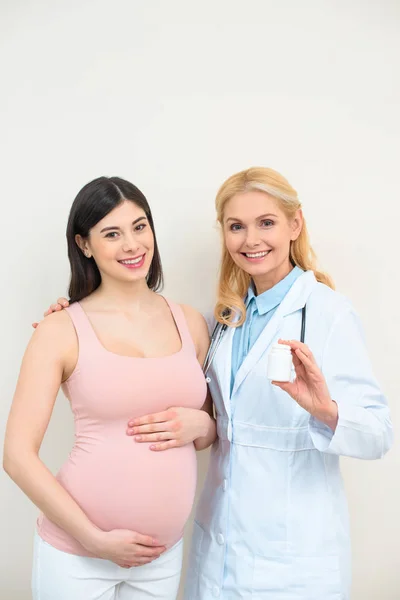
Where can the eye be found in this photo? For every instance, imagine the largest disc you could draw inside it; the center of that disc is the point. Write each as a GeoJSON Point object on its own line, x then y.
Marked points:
{"type": "Point", "coordinates": [267, 223]}
{"type": "Point", "coordinates": [111, 234]}
{"type": "Point", "coordinates": [140, 227]}
{"type": "Point", "coordinates": [235, 227]}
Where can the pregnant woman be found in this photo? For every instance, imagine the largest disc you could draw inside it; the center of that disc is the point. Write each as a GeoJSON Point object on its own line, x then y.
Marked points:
{"type": "Point", "coordinates": [119, 350]}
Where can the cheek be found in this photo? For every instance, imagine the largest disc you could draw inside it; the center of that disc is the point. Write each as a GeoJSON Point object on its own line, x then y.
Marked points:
{"type": "Point", "coordinates": [104, 250]}
{"type": "Point", "coordinates": [233, 245]}
{"type": "Point", "coordinates": [148, 244]}
{"type": "Point", "coordinates": [233, 242]}
{"type": "Point", "coordinates": [279, 240]}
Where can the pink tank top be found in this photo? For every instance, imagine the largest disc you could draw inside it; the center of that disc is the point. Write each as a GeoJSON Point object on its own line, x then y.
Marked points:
{"type": "Point", "coordinates": [120, 483]}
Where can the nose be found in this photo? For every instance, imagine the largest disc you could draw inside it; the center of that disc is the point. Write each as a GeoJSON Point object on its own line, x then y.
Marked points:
{"type": "Point", "coordinates": [130, 243]}
{"type": "Point", "coordinates": [252, 238]}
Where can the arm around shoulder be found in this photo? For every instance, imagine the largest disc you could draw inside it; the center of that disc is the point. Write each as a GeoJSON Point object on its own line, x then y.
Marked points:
{"type": "Point", "coordinates": [199, 331]}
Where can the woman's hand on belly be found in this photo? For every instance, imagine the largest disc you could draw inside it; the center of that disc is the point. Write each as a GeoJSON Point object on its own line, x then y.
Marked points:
{"type": "Point", "coordinates": [125, 548]}
{"type": "Point", "coordinates": [171, 428]}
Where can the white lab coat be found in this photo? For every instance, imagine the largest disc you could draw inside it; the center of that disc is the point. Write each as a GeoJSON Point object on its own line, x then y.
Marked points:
{"type": "Point", "coordinates": [272, 521]}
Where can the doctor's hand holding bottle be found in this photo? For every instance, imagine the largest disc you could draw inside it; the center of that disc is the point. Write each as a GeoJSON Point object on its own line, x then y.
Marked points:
{"type": "Point", "coordinates": [309, 389]}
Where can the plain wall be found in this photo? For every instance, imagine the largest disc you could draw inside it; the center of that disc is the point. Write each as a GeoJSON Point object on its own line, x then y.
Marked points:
{"type": "Point", "coordinates": [176, 96]}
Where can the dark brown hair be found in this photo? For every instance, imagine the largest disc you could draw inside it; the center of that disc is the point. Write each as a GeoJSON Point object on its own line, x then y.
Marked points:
{"type": "Point", "coordinates": [94, 201]}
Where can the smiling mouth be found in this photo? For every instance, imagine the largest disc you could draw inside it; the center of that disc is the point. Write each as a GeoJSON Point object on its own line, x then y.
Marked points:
{"type": "Point", "coordinates": [255, 255]}
{"type": "Point", "coordinates": [133, 262]}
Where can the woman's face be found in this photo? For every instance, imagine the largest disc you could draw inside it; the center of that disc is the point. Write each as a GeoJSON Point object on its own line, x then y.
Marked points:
{"type": "Point", "coordinates": [122, 244]}
{"type": "Point", "coordinates": [258, 234]}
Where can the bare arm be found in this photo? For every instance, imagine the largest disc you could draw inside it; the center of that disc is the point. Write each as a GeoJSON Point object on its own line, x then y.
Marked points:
{"type": "Point", "coordinates": [199, 332]}
{"type": "Point", "coordinates": [49, 359]}
{"type": "Point", "coordinates": [209, 438]}
{"type": "Point", "coordinates": [43, 368]}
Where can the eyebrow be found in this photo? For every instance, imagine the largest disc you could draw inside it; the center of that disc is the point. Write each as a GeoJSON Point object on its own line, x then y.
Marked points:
{"type": "Point", "coordinates": [118, 228]}
{"type": "Point", "coordinates": [260, 217]}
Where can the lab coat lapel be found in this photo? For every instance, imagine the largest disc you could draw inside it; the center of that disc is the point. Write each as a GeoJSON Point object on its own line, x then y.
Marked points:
{"type": "Point", "coordinates": [293, 301]}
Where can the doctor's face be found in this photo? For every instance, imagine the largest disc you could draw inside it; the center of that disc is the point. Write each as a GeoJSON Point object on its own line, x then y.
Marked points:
{"type": "Point", "coordinates": [258, 235]}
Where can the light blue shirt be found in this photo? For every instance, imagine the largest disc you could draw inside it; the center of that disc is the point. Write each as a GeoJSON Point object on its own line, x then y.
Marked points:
{"type": "Point", "coordinates": [259, 311]}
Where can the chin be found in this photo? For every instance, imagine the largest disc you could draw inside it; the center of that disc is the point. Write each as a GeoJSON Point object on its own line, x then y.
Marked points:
{"type": "Point", "coordinates": [255, 270]}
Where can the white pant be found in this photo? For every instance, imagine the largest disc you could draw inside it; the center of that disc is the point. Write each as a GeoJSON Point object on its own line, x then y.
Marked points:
{"type": "Point", "coordinates": [61, 576]}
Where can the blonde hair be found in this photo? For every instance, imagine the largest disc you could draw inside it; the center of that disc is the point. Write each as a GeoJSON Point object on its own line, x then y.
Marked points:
{"type": "Point", "coordinates": [233, 281]}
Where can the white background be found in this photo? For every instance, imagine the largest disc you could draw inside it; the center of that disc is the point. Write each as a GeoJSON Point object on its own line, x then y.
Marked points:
{"type": "Point", "coordinates": [176, 96]}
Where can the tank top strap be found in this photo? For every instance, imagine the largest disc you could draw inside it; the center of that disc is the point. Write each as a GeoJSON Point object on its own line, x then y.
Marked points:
{"type": "Point", "coordinates": [83, 326]}
{"type": "Point", "coordinates": [180, 320]}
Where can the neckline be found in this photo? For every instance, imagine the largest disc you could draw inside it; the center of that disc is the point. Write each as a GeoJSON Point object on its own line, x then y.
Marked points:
{"type": "Point", "coordinates": [104, 349]}
{"type": "Point", "coordinates": [271, 298]}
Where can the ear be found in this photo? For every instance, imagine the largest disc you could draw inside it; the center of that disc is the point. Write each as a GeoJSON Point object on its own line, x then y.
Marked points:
{"type": "Point", "coordinates": [296, 224]}
{"type": "Point", "coordinates": [83, 245]}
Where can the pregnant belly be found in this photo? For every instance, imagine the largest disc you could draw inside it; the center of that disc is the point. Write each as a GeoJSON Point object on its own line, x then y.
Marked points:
{"type": "Point", "coordinates": [121, 484]}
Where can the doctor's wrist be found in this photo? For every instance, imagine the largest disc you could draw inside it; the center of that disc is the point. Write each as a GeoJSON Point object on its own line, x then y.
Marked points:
{"type": "Point", "coordinates": [329, 415]}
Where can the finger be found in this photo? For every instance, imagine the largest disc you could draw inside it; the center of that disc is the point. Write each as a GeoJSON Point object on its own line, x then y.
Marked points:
{"type": "Point", "coordinates": [53, 308]}
{"type": "Point", "coordinates": [34, 325]}
{"type": "Point", "coordinates": [308, 363]}
{"type": "Point", "coordinates": [154, 437]}
{"type": "Point", "coordinates": [146, 540]}
{"type": "Point", "coordinates": [286, 386]}
{"type": "Point", "coordinates": [63, 302]}
{"type": "Point", "coordinates": [164, 446]}
{"type": "Point", "coordinates": [146, 552]}
{"type": "Point", "coordinates": [138, 561]}
{"type": "Point", "coordinates": [296, 361]}
{"type": "Point", "coordinates": [152, 428]}
{"type": "Point", "coordinates": [160, 417]}
{"type": "Point", "coordinates": [295, 345]}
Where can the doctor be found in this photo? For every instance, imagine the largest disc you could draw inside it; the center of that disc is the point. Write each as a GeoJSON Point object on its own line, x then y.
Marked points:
{"type": "Point", "coordinates": [272, 521]}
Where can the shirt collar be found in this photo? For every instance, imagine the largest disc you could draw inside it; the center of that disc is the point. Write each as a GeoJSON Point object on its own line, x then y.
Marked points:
{"type": "Point", "coordinates": [270, 299]}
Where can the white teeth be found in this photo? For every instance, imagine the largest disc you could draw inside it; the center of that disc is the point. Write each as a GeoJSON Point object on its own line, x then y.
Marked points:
{"type": "Point", "coordinates": [131, 262]}
{"type": "Point", "coordinates": [256, 254]}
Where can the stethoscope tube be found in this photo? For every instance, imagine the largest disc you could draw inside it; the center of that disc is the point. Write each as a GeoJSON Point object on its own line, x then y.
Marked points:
{"type": "Point", "coordinates": [217, 335]}
{"type": "Point", "coordinates": [216, 339]}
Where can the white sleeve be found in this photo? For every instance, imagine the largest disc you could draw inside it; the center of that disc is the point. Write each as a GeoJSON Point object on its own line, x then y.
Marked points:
{"type": "Point", "coordinates": [364, 428]}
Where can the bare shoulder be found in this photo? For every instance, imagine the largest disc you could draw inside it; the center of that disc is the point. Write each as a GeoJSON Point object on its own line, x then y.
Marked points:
{"type": "Point", "coordinates": [55, 330]}
{"type": "Point", "coordinates": [195, 319]}
{"type": "Point", "coordinates": [198, 329]}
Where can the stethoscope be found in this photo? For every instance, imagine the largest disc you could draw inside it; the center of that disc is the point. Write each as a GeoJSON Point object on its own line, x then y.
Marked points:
{"type": "Point", "coordinates": [218, 334]}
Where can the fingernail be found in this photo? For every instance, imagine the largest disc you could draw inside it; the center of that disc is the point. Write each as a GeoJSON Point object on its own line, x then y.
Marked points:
{"type": "Point", "coordinates": [138, 438]}
{"type": "Point", "coordinates": [152, 448]}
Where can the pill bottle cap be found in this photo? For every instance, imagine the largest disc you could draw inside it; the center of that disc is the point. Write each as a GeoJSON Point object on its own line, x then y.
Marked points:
{"type": "Point", "coordinates": [281, 348]}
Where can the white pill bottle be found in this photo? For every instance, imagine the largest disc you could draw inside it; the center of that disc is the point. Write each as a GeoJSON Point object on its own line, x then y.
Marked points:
{"type": "Point", "coordinates": [280, 365]}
